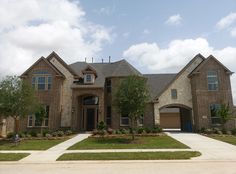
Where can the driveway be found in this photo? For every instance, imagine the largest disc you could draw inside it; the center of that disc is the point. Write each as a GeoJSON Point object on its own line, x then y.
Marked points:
{"type": "Point", "coordinates": [211, 149]}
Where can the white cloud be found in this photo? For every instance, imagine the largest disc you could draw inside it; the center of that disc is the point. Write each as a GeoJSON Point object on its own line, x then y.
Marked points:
{"type": "Point", "coordinates": [233, 32]}
{"type": "Point", "coordinates": [226, 21]}
{"type": "Point", "coordinates": [126, 34]}
{"type": "Point", "coordinates": [146, 31]}
{"type": "Point", "coordinates": [177, 54]}
{"type": "Point", "coordinates": [174, 20]}
{"type": "Point", "coordinates": [31, 29]}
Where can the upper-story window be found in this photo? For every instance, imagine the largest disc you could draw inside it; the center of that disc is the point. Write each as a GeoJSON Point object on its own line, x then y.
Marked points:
{"type": "Point", "coordinates": [212, 80]}
{"type": "Point", "coordinates": [174, 93]}
{"type": "Point", "coordinates": [41, 80]}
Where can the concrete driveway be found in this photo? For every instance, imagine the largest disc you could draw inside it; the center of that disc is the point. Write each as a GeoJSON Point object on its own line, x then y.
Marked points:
{"type": "Point", "coordinates": [211, 149]}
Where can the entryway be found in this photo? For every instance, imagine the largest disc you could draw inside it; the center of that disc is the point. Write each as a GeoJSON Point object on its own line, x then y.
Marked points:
{"type": "Point", "coordinates": [90, 122]}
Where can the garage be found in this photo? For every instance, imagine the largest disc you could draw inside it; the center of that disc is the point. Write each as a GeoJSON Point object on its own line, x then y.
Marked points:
{"type": "Point", "coordinates": [170, 118]}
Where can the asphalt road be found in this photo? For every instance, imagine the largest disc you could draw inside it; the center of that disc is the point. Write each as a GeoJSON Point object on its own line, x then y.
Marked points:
{"type": "Point", "coordinates": [121, 167]}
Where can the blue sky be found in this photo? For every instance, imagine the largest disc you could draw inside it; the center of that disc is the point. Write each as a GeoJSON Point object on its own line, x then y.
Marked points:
{"type": "Point", "coordinates": [133, 17]}
{"type": "Point", "coordinates": [154, 36]}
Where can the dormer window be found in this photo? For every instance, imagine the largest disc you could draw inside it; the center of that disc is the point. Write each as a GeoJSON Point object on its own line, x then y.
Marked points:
{"type": "Point", "coordinates": [89, 75]}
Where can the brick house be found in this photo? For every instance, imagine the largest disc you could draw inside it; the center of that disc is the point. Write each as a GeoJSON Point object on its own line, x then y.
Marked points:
{"type": "Point", "coordinates": [79, 95]}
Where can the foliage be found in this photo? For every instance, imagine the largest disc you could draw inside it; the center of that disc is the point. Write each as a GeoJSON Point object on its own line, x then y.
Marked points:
{"type": "Point", "coordinates": [40, 115]}
{"type": "Point", "coordinates": [101, 125]}
{"type": "Point", "coordinates": [225, 114]}
{"type": "Point", "coordinates": [131, 97]}
{"type": "Point", "coordinates": [17, 98]}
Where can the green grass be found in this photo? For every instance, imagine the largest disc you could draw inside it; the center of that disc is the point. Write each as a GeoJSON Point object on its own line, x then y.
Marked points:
{"type": "Point", "coordinates": [29, 144]}
{"type": "Point", "coordinates": [125, 142]}
{"type": "Point", "coordinates": [129, 156]}
{"type": "Point", "coordinates": [226, 138]}
{"type": "Point", "coordinates": [12, 156]}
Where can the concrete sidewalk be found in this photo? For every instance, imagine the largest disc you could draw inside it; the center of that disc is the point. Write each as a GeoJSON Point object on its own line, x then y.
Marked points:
{"type": "Point", "coordinates": [211, 149]}
{"type": "Point", "coordinates": [53, 153]}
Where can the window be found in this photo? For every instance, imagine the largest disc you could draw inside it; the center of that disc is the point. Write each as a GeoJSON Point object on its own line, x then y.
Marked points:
{"type": "Point", "coordinates": [108, 118]}
{"type": "Point", "coordinates": [34, 122]}
{"type": "Point", "coordinates": [140, 120]}
{"type": "Point", "coordinates": [30, 120]}
{"type": "Point", "coordinates": [41, 80]}
{"type": "Point", "coordinates": [108, 85]}
{"type": "Point", "coordinates": [124, 120]}
{"type": "Point", "coordinates": [174, 93]}
{"type": "Point", "coordinates": [88, 78]}
{"type": "Point", "coordinates": [212, 80]}
{"type": "Point", "coordinates": [90, 100]}
{"type": "Point", "coordinates": [215, 118]}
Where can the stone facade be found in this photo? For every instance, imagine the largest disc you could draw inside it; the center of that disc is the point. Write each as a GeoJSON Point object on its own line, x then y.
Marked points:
{"type": "Point", "coordinates": [69, 91]}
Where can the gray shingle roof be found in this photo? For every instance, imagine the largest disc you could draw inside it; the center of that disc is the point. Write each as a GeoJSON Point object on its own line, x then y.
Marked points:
{"type": "Point", "coordinates": [119, 68]}
{"type": "Point", "coordinates": [157, 82]}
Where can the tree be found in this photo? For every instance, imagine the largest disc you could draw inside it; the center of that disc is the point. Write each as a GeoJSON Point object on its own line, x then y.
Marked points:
{"type": "Point", "coordinates": [225, 114]}
{"type": "Point", "coordinates": [40, 115]}
{"type": "Point", "coordinates": [17, 99]}
{"type": "Point", "coordinates": [131, 97]}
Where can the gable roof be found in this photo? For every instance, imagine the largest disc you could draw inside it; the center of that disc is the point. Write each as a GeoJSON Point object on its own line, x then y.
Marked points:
{"type": "Point", "coordinates": [197, 69]}
{"type": "Point", "coordinates": [157, 83]}
{"type": "Point", "coordinates": [59, 59]}
{"type": "Point", "coordinates": [179, 74]}
{"type": "Point", "coordinates": [89, 69]}
{"type": "Point", "coordinates": [47, 62]}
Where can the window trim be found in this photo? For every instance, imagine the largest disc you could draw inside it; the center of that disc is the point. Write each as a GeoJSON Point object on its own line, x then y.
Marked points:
{"type": "Point", "coordinates": [47, 84]}
{"type": "Point", "coordinates": [212, 76]}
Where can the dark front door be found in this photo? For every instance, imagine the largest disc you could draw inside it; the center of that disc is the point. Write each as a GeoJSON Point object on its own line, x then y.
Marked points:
{"type": "Point", "coordinates": [90, 114]}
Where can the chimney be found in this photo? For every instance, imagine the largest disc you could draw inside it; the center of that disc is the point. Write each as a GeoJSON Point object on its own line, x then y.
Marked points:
{"type": "Point", "coordinates": [102, 60]}
{"type": "Point", "coordinates": [92, 59]}
{"type": "Point", "coordinates": [109, 59]}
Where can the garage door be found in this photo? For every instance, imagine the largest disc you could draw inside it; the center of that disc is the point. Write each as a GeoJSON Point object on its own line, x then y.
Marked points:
{"type": "Point", "coordinates": [170, 120]}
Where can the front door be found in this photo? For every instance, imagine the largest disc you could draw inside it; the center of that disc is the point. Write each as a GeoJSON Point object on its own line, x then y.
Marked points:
{"type": "Point", "coordinates": [90, 114]}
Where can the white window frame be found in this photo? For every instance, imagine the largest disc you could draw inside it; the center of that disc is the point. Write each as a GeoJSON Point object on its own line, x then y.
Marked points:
{"type": "Point", "coordinates": [139, 120]}
{"type": "Point", "coordinates": [34, 119]}
{"type": "Point", "coordinates": [212, 74]}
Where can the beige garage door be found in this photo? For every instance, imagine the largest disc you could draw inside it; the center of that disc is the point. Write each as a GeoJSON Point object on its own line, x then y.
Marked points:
{"type": "Point", "coordinates": [170, 120]}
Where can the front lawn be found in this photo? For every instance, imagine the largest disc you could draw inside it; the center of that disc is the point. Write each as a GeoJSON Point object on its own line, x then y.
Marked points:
{"type": "Point", "coordinates": [129, 156]}
{"type": "Point", "coordinates": [226, 138]}
{"type": "Point", "coordinates": [125, 142]}
{"type": "Point", "coordinates": [29, 144]}
{"type": "Point", "coordinates": [12, 156]}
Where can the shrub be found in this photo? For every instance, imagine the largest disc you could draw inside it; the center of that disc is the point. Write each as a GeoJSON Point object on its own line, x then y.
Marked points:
{"type": "Point", "coordinates": [209, 131]}
{"type": "Point", "coordinates": [157, 129]}
{"type": "Point", "coordinates": [124, 131]}
{"type": "Point", "coordinates": [219, 132]}
{"type": "Point", "coordinates": [60, 133]}
{"type": "Point", "coordinates": [101, 125]}
{"type": "Point", "coordinates": [48, 135]}
{"type": "Point", "coordinates": [68, 132]}
{"type": "Point", "coordinates": [33, 133]}
{"type": "Point", "coordinates": [102, 132]}
{"type": "Point", "coordinates": [233, 131]}
{"type": "Point", "coordinates": [140, 130]}
{"type": "Point", "coordinates": [10, 135]}
{"type": "Point", "coordinates": [148, 130]}
{"type": "Point", "coordinates": [228, 132]}
{"type": "Point", "coordinates": [55, 134]}
{"type": "Point", "coordinates": [39, 135]}
{"type": "Point", "coordinates": [118, 131]}
{"type": "Point", "coordinates": [224, 131]}
{"type": "Point", "coordinates": [45, 132]}
{"type": "Point", "coordinates": [110, 131]}
{"type": "Point", "coordinates": [203, 130]}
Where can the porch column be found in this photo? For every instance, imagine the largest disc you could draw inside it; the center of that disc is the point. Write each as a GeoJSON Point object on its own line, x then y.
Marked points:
{"type": "Point", "coordinates": [101, 107]}
{"type": "Point", "coordinates": [156, 114]}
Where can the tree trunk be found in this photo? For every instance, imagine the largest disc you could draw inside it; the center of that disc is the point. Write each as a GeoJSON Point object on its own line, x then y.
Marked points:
{"type": "Point", "coordinates": [132, 128]}
{"type": "Point", "coordinates": [16, 120]}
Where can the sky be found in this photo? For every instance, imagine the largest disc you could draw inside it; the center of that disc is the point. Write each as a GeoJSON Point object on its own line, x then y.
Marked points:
{"type": "Point", "coordinates": [154, 36]}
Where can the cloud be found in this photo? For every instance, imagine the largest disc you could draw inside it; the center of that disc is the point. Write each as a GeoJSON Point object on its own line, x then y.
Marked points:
{"type": "Point", "coordinates": [31, 29]}
{"type": "Point", "coordinates": [178, 54]}
{"type": "Point", "coordinates": [146, 31]}
{"type": "Point", "coordinates": [233, 32]}
{"type": "Point", "coordinates": [126, 34]}
{"type": "Point", "coordinates": [226, 21]}
{"type": "Point", "coordinates": [174, 20]}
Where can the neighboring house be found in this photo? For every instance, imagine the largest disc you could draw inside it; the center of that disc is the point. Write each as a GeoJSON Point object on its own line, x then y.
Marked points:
{"type": "Point", "coordinates": [78, 96]}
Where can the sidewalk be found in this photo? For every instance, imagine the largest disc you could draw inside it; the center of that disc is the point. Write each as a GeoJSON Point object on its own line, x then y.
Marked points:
{"type": "Point", "coordinates": [53, 153]}
{"type": "Point", "coordinates": [210, 149]}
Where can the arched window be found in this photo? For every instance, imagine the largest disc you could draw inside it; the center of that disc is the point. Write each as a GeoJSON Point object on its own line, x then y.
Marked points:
{"type": "Point", "coordinates": [90, 100]}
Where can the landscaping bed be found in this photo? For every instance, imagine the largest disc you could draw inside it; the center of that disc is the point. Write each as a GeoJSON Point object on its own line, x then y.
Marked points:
{"type": "Point", "coordinates": [157, 141]}
{"type": "Point", "coordinates": [129, 156]}
{"type": "Point", "coordinates": [12, 156]}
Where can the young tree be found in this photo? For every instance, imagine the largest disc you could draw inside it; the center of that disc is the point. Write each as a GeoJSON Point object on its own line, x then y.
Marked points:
{"type": "Point", "coordinates": [131, 97]}
{"type": "Point", "coordinates": [17, 99]}
{"type": "Point", "coordinates": [225, 114]}
{"type": "Point", "coordinates": [40, 115]}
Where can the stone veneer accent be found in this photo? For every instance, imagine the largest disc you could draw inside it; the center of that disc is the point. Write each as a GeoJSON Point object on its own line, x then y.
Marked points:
{"type": "Point", "coordinates": [66, 93]}
{"type": "Point", "coordinates": [184, 94]}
